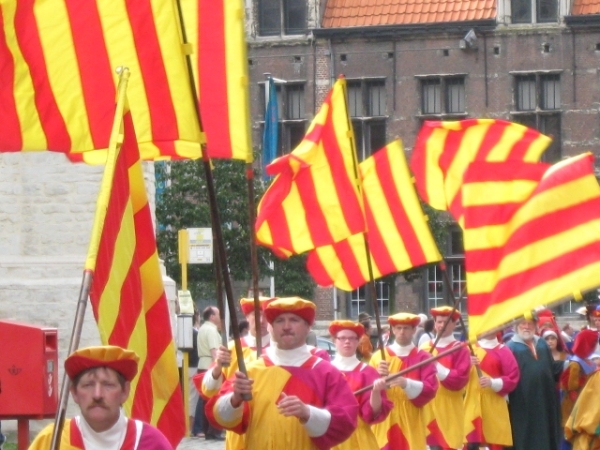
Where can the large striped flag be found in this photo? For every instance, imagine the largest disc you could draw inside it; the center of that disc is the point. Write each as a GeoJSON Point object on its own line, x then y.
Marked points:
{"type": "Point", "coordinates": [216, 30]}
{"type": "Point", "coordinates": [531, 235]}
{"type": "Point", "coordinates": [127, 293]}
{"type": "Point", "coordinates": [58, 61]}
{"type": "Point", "coordinates": [398, 235]}
{"type": "Point", "coordinates": [443, 151]}
{"type": "Point", "coordinates": [314, 199]}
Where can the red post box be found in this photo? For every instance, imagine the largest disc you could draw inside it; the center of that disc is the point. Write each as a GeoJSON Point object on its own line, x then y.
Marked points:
{"type": "Point", "coordinates": [28, 371]}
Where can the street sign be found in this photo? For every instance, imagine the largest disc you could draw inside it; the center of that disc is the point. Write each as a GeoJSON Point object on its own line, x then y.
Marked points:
{"type": "Point", "coordinates": [200, 246]}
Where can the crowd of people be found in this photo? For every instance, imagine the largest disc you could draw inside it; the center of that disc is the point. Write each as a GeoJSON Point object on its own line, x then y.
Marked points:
{"type": "Point", "coordinates": [529, 388]}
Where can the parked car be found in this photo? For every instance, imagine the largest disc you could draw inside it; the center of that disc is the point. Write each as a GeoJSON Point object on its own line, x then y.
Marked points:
{"type": "Point", "coordinates": [327, 345]}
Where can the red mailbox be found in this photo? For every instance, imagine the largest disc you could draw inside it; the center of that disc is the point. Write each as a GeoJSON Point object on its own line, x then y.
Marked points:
{"type": "Point", "coordinates": [28, 371]}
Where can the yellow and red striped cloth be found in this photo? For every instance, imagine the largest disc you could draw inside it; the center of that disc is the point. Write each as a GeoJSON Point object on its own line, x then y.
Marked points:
{"type": "Point", "coordinates": [398, 235]}
{"type": "Point", "coordinates": [314, 199]}
{"type": "Point", "coordinates": [59, 82]}
{"type": "Point", "coordinates": [444, 150]}
{"type": "Point", "coordinates": [531, 235]}
{"type": "Point", "coordinates": [216, 30]}
{"type": "Point", "coordinates": [127, 293]}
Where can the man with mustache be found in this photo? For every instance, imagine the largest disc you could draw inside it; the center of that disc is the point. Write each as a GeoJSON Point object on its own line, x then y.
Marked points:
{"type": "Point", "coordinates": [299, 401]}
{"type": "Point", "coordinates": [100, 383]}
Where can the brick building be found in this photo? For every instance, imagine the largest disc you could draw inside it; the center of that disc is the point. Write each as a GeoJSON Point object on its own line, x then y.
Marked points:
{"type": "Point", "coordinates": [528, 61]}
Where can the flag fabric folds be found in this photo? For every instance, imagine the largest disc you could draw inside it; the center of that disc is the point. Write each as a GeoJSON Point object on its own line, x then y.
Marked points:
{"type": "Point", "coordinates": [398, 236]}
{"type": "Point", "coordinates": [443, 151]}
{"type": "Point", "coordinates": [216, 30]}
{"type": "Point", "coordinates": [531, 235]}
{"type": "Point", "coordinates": [271, 131]}
{"type": "Point", "coordinates": [59, 82]}
{"type": "Point", "coordinates": [314, 198]}
{"type": "Point", "coordinates": [127, 293]}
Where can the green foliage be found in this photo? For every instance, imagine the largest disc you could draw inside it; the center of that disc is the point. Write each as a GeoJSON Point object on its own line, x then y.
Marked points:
{"type": "Point", "coordinates": [291, 279]}
{"type": "Point", "coordinates": [184, 204]}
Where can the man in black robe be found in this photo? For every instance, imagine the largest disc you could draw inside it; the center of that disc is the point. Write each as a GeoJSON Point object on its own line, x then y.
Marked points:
{"type": "Point", "coordinates": [533, 406]}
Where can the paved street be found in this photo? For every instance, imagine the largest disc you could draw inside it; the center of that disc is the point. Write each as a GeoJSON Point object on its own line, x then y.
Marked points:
{"type": "Point", "coordinates": [200, 444]}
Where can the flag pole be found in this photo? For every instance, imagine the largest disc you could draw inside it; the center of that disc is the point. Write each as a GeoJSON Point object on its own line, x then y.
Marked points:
{"type": "Point", "coordinates": [88, 274]}
{"type": "Point", "coordinates": [455, 304]}
{"type": "Point", "coordinates": [413, 367]}
{"type": "Point", "coordinates": [214, 211]}
{"type": "Point", "coordinates": [372, 289]}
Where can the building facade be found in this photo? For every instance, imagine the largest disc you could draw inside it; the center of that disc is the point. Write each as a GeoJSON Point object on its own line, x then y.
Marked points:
{"type": "Point", "coordinates": [529, 61]}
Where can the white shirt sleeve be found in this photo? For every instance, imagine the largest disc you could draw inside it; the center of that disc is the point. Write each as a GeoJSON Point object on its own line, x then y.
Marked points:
{"type": "Point", "coordinates": [209, 383]}
{"type": "Point", "coordinates": [442, 372]}
{"type": "Point", "coordinates": [226, 411]}
{"type": "Point", "coordinates": [413, 388]}
{"type": "Point", "coordinates": [318, 421]}
{"type": "Point", "coordinates": [497, 384]}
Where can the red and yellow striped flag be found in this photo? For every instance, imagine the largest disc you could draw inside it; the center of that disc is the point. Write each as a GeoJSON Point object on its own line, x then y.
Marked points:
{"type": "Point", "coordinates": [127, 293]}
{"type": "Point", "coordinates": [216, 30]}
{"type": "Point", "coordinates": [443, 151]}
{"type": "Point", "coordinates": [59, 83]}
{"type": "Point", "coordinates": [314, 199]}
{"type": "Point", "coordinates": [398, 235]}
{"type": "Point", "coordinates": [532, 237]}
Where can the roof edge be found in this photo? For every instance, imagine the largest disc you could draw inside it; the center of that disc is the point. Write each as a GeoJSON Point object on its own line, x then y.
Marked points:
{"type": "Point", "coordinates": [389, 30]}
{"type": "Point", "coordinates": [583, 19]}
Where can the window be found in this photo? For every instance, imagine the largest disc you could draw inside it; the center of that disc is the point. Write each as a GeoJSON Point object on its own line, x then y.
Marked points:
{"type": "Point", "coordinates": [443, 96]}
{"type": "Point", "coordinates": [281, 17]}
{"type": "Point", "coordinates": [534, 11]}
{"type": "Point", "coordinates": [358, 299]}
{"type": "Point", "coordinates": [437, 292]}
{"type": "Point", "coordinates": [367, 106]}
{"type": "Point", "coordinates": [538, 103]}
{"type": "Point", "coordinates": [292, 122]}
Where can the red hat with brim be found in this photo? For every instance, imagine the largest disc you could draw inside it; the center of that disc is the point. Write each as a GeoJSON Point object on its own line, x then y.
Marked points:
{"type": "Point", "coordinates": [585, 343]}
{"type": "Point", "coordinates": [119, 359]}
{"type": "Point", "coordinates": [404, 319]}
{"type": "Point", "coordinates": [294, 305]}
{"type": "Point", "coordinates": [247, 304]}
{"type": "Point", "coordinates": [445, 311]}
{"type": "Point", "coordinates": [595, 312]}
{"type": "Point", "coordinates": [338, 325]}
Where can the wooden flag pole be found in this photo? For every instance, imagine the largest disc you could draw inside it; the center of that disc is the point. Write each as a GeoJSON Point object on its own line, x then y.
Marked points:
{"type": "Point", "coordinates": [214, 211]}
{"type": "Point", "coordinates": [413, 367]}
{"type": "Point", "coordinates": [455, 304]}
{"type": "Point", "coordinates": [254, 257]}
{"type": "Point", "coordinates": [373, 293]}
{"type": "Point", "coordinates": [88, 274]}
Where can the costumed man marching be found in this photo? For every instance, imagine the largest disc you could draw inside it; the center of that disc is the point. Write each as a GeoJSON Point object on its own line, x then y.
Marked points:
{"type": "Point", "coordinates": [299, 401]}
{"type": "Point", "coordinates": [486, 412]}
{"type": "Point", "coordinates": [444, 416]}
{"type": "Point", "coordinates": [374, 404]}
{"type": "Point", "coordinates": [582, 428]}
{"type": "Point", "coordinates": [226, 363]}
{"type": "Point", "coordinates": [576, 375]}
{"type": "Point", "coordinates": [100, 383]}
{"type": "Point", "coordinates": [404, 427]}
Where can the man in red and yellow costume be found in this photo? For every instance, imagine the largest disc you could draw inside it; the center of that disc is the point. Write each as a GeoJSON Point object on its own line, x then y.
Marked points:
{"type": "Point", "coordinates": [100, 383]}
{"type": "Point", "coordinates": [404, 429]}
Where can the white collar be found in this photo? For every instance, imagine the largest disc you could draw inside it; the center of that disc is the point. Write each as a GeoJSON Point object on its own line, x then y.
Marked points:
{"type": "Point", "coordinates": [251, 340]}
{"type": "Point", "coordinates": [488, 343]}
{"type": "Point", "coordinates": [401, 350]}
{"type": "Point", "coordinates": [446, 340]}
{"type": "Point", "coordinates": [111, 438]}
{"type": "Point", "coordinates": [346, 363]}
{"type": "Point", "coordinates": [294, 357]}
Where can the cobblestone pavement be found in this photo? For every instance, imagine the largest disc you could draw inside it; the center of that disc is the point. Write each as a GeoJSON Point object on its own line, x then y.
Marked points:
{"type": "Point", "coordinates": [200, 444]}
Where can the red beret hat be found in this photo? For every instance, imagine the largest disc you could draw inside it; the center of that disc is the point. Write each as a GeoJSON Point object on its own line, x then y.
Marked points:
{"type": "Point", "coordinates": [119, 359]}
{"type": "Point", "coordinates": [338, 325]}
{"type": "Point", "coordinates": [295, 305]}
{"type": "Point", "coordinates": [247, 304]}
{"type": "Point", "coordinates": [445, 311]}
{"type": "Point", "coordinates": [585, 343]}
{"type": "Point", "coordinates": [404, 319]}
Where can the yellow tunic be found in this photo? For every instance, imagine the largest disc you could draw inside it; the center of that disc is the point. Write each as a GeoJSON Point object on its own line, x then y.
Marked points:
{"type": "Point", "coordinates": [583, 425]}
